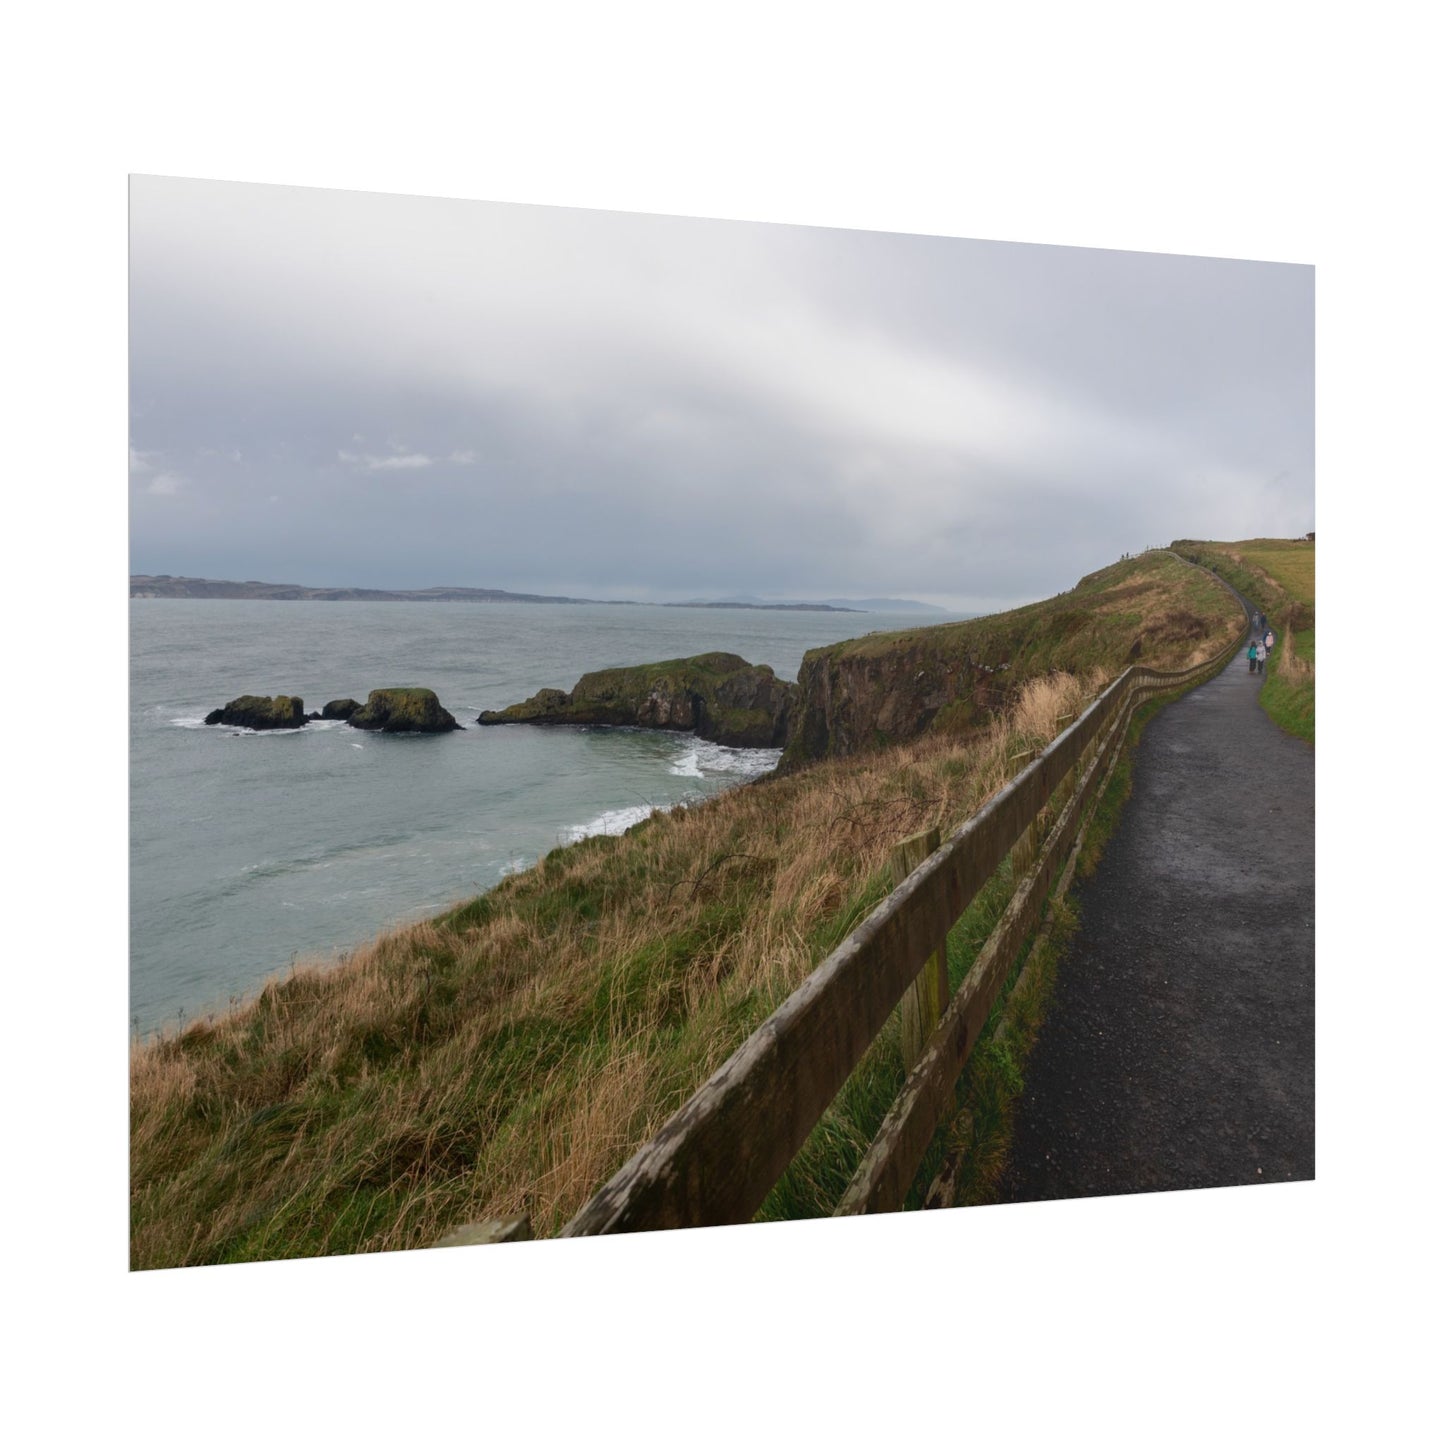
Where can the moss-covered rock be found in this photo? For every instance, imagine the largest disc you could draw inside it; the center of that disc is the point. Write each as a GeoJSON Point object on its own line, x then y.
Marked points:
{"type": "Point", "coordinates": [339, 709]}
{"type": "Point", "coordinates": [718, 695]}
{"type": "Point", "coordinates": [260, 713]}
{"type": "Point", "coordinates": [403, 710]}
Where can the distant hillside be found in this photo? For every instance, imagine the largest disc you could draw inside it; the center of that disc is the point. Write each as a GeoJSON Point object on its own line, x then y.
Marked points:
{"type": "Point", "coordinates": [754, 606]}
{"type": "Point", "coordinates": [882, 604]}
{"type": "Point", "coordinates": [826, 604]}
{"type": "Point", "coordinates": [166, 586]}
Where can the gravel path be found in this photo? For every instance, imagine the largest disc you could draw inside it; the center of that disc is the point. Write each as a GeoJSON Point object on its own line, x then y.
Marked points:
{"type": "Point", "coordinates": [1178, 1051]}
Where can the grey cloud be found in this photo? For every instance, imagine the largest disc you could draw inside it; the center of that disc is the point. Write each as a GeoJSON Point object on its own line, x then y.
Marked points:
{"type": "Point", "coordinates": [400, 391]}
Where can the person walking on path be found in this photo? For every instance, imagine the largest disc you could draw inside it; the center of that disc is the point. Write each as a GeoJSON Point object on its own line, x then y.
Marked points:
{"type": "Point", "coordinates": [1262, 658]}
{"type": "Point", "coordinates": [1269, 642]}
{"type": "Point", "coordinates": [1253, 655]}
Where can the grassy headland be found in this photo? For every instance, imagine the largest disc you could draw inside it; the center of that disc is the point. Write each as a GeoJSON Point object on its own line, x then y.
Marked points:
{"type": "Point", "coordinates": [510, 1054]}
{"type": "Point", "coordinates": [890, 687]}
{"type": "Point", "coordinates": [1278, 576]}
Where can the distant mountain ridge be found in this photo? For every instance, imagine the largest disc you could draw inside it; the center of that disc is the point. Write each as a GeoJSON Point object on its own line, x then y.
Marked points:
{"type": "Point", "coordinates": [825, 604]}
{"type": "Point", "coordinates": [163, 585]}
{"type": "Point", "coordinates": [882, 604]}
{"type": "Point", "coordinates": [144, 585]}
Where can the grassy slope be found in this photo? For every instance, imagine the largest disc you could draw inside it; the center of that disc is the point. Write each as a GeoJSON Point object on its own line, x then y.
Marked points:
{"type": "Point", "coordinates": [512, 1053]}
{"type": "Point", "coordinates": [1170, 610]}
{"type": "Point", "coordinates": [1279, 576]}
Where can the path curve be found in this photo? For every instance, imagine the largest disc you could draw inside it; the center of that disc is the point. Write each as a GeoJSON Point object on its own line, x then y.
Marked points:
{"type": "Point", "coordinates": [1178, 1050]}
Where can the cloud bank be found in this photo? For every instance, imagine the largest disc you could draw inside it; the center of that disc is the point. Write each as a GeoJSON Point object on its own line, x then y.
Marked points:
{"type": "Point", "coordinates": [340, 388]}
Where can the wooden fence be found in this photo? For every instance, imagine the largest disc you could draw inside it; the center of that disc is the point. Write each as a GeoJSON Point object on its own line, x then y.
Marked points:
{"type": "Point", "coordinates": [717, 1157]}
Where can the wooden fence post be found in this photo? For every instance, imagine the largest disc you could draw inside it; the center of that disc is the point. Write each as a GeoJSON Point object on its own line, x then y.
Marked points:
{"type": "Point", "coordinates": [1071, 780]}
{"type": "Point", "coordinates": [1024, 851]}
{"type": "Point", "coordinates": [922, 1006]}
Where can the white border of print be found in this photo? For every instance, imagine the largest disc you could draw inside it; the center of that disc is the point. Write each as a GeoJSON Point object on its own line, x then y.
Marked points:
{"type": "Point", "coordinates": [1134, 126]}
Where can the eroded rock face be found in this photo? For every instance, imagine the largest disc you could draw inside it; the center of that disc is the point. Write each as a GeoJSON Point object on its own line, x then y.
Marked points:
{"type": "Point", "coordinates": [402, 710]}
{"type": "Point", "coordinates": [260, 713]}
{"type": "Point", "coordinates": [849, 702]}
{"type": "Point", "coordinates": [718, 695]}
{"type": "Point", "coordinates": [340, 708]}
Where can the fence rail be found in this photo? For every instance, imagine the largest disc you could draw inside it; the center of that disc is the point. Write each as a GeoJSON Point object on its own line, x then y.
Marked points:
{"type": "Point", "coordinates": [716, 1158]}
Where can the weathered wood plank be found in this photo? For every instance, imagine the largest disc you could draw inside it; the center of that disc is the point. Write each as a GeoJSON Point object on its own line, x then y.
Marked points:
{"type": "Point", "coordinates": [943, 1190]}
{"type": "Point", "coordinates": [886, 1171]}
{"type": "Point", "coordinates": [488, 1231]}
{"type": "Point", "coordinates": [714, 1161]}
{"type": "Point", "coordinates": [923, 1003]}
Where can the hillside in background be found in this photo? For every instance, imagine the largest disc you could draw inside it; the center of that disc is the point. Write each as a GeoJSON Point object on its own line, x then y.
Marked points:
{"type": "Point", "coordinates": [143, 586]}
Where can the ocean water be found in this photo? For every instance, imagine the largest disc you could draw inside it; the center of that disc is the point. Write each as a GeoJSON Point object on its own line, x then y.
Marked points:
{"type": "Point", "coordinates": [249, 851]}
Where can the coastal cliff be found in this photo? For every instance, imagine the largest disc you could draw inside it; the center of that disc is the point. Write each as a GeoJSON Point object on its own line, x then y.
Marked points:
{"type": "Point", "coordinates": [717, 695]}
{"type": "Point", "coordinates": [891, 687]}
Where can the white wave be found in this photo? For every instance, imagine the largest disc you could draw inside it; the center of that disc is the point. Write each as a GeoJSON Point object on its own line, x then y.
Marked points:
{"type": "Point", "coordinates": [610, 823]}
{"type": "Point", "coordinates": [516, 865]}
{"type": "Point", "coordinates": [687, 765]}
{"type": "Point", "coordinates": [715, 758]}
{"type": "Point", "coordinates": [313, 725]}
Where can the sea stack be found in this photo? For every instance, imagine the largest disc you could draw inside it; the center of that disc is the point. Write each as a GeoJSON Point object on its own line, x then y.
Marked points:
{"type": "Point", "coordinates": [403, 710]}
{"type": "Point", "coordinates": [260, 713]}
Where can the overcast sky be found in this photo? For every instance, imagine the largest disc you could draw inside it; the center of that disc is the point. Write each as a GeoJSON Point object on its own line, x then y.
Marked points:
{"type": "Point", "coordinates": [334, 388]}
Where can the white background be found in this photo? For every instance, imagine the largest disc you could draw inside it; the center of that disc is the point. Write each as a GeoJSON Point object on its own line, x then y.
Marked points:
{"type": "Point", "coordinates": [1267, 131]}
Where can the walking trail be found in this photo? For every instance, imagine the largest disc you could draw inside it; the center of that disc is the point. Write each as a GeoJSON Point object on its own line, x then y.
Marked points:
{"type": "Point", "coordinates": [1178, 1051]}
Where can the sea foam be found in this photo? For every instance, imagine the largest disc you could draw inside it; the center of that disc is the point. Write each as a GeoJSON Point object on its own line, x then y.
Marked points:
{"type": "Point", "coordinates": [610, 823]}
{"type": "Point", "coordinates": [704, 759]}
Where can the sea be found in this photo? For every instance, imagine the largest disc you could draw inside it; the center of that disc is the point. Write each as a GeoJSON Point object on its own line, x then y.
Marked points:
{"type": "Point", "coordinates": [252, 852]}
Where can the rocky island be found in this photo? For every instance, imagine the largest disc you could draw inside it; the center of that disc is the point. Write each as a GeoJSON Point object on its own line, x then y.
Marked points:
{"type": "Point", "coordinates": [259, 713]}
{"type": "Point", "coordinates": [402, 710]}
{"type": "Point", "coordinates": [387, 709]}
{"type": "Point", "coordinates": [718, 695]}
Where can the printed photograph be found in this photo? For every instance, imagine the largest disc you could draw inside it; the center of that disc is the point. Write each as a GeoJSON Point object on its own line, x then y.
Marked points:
{"type": "Point", "coordinates": [643, 722]}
